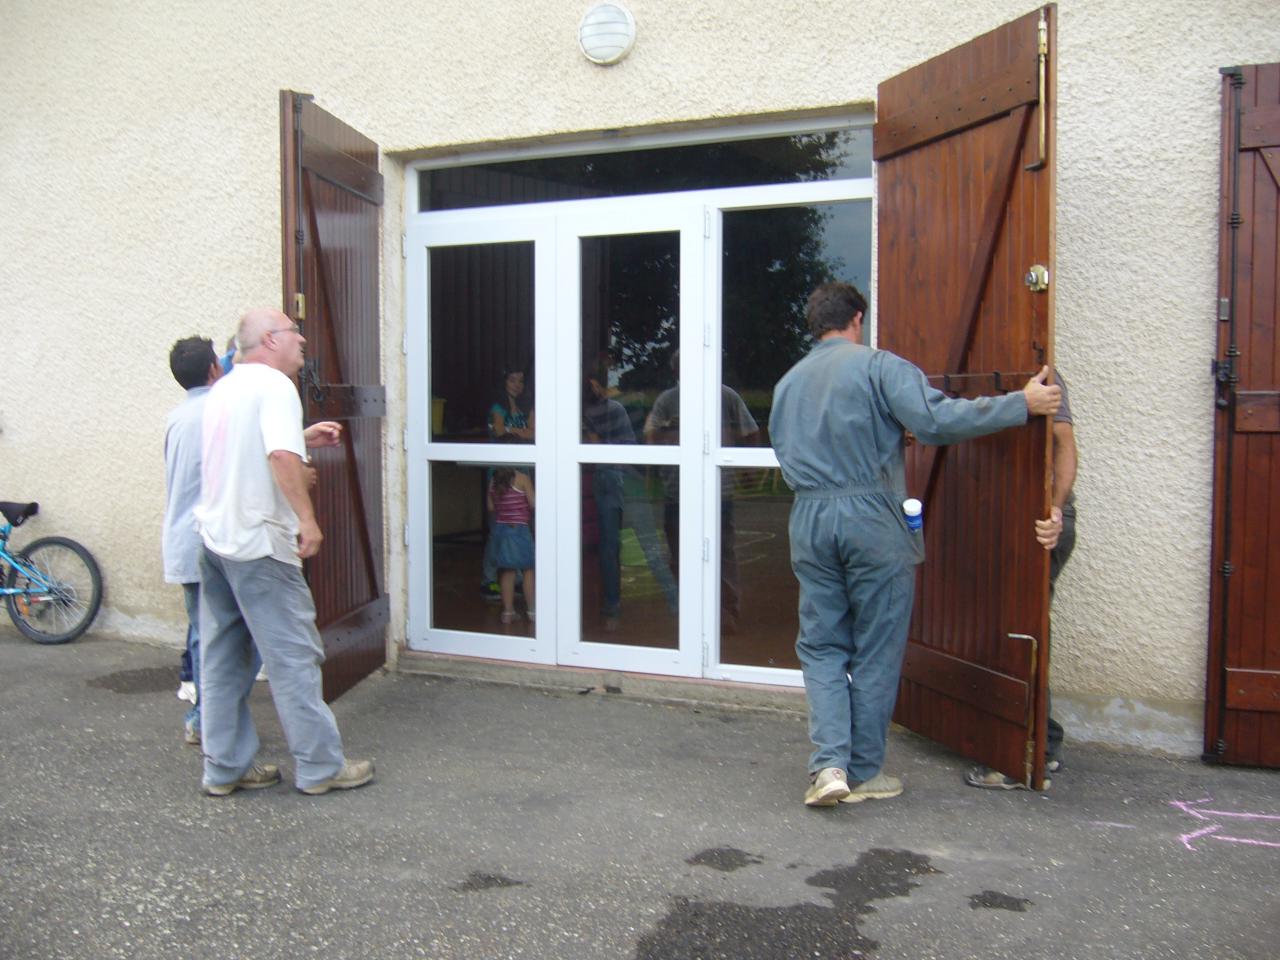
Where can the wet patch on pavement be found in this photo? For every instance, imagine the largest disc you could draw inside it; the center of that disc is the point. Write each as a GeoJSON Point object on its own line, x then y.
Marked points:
{"type": "Point", "coordinates": [696, 928]}
{"type": "Point", "coordinates": [725, 859]}
{"type": "Point", "coordinates": [995, 900]}
{"type": "Point", "coordinates": [486, 881]}
{"type": "Point", "coordinates": [148, 680]}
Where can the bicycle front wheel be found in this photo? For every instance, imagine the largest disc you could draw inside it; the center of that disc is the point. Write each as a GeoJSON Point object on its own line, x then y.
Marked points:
{"type": "Point", "coordinates": [61, 594]}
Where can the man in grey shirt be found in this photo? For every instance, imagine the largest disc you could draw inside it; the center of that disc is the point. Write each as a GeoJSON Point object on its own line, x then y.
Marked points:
{"type": "Point", "coordinates": [838, 424]}
{"type": "Point", "coordinates": [195, 367]}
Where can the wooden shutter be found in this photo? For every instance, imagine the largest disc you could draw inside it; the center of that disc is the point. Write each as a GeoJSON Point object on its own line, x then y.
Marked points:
{"type": "Point", "coordinates": [1242, 716]}
{"type": "Point", "coordinates": [331, 198]}
{"type": "Point", "coordinates": [964, 151]}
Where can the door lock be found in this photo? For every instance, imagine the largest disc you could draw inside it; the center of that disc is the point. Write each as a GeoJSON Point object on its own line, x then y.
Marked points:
{"type": "Point", "coordinates": [1037, 278]}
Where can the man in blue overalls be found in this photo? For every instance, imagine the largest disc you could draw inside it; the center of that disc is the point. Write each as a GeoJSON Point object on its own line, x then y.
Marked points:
{"type": "Point", "coordinates": [838, 427]}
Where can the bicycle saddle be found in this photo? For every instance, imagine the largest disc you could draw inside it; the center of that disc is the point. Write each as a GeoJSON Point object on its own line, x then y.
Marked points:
{"type": "Point", "coordinates": [15, 513]}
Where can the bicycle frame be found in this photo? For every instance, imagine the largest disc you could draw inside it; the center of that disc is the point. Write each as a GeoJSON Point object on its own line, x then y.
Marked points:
{"type": "Point", "coordinates": [36, 582]}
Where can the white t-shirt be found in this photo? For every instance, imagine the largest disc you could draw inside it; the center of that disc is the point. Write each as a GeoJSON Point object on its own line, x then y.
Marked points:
{"type": "Point", "coordinates": [251, 412]}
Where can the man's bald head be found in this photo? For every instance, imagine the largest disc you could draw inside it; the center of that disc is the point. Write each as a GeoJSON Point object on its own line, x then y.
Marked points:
{"type": "Point", "coordinates": [266, 335]}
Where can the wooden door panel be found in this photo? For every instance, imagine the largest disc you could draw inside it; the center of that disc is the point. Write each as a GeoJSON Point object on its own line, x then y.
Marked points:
{"type": "Point", "coordinates": [331, 199]}
{"type": "Point", "coordinates": [1242, 716]}
{"type": "Point", "coordinates": [965, 201]}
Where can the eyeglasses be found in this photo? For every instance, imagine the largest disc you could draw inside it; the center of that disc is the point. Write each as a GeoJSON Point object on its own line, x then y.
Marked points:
{"type": "Point", "coordinates": [292, 328]}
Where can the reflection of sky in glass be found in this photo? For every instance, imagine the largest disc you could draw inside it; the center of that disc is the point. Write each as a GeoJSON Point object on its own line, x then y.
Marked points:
{"type": "Point", "coordinates": [854, 154]}
{"type": "Point", "coordinates": [846, 241]}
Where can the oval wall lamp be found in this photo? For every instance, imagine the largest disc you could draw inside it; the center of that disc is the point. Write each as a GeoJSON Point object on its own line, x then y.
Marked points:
{"type": "Point", "coordinates": [607, 33]}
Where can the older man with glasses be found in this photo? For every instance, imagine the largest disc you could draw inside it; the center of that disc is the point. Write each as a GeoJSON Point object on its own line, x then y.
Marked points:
{"type": "Point", "coordinates": [257, 522]}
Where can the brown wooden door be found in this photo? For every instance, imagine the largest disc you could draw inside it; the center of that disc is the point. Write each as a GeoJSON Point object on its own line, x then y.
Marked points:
{"type": "Point", "coordinates": [1242, 715]}
{"type": "Point", "coordinates": [331, 199]}
{"type": "Point", "coordinates": [965, 154]}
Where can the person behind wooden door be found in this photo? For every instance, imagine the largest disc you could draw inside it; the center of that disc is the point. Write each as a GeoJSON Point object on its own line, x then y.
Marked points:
{"type": "Point", "coordinates": [1057, 534]}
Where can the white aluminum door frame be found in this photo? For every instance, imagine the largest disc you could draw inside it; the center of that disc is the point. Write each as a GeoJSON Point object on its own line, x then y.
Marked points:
{"type": "Point", "coordinates": [721, 201]}
{"type": "Point", "coordinates": [424, 234]}
{"type": "Point", "coordinates": [555, 228]}
{"type": "Point", "coordinates": [625, 217]}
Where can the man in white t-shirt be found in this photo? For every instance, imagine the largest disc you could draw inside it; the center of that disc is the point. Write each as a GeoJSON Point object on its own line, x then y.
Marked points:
{"type": "Point", "coordinates": [258, 525]}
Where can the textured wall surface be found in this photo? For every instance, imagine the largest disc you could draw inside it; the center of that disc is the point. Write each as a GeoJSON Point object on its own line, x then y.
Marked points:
{"type": "Point", "coordinates": [139, 173]}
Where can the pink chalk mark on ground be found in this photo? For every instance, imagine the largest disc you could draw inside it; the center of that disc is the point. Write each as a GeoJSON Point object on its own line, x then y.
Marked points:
{"type": "Point", "coordinates": [1196, 809]}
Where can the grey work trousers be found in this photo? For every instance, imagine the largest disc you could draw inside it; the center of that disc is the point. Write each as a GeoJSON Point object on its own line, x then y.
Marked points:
{"type": "Point", "coordinates": [267, 603]}
{"type": "Point", "coordinates": [855, 561]}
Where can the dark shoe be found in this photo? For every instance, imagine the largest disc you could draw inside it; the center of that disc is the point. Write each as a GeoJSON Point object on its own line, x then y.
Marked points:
{"type": "Point", "coordinates": [491, 591]}
{"type": "Point", "coordinates": [828, 787]}
{"type": "Point", "coordinates": [354, 773]}
{"type": "Point", "coordinates": [255, 778]}
{"type": "Point", "coordinates": [880, 787]}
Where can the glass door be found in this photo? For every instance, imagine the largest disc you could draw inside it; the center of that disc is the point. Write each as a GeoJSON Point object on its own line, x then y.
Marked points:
{"type": "Point", "coordinates": [481, 334]}
{"type": "Point", "coordinates": [631, 451]}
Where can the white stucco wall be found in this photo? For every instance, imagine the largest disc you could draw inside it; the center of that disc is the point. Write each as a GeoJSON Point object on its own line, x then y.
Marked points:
{"type": "Point", "coordinates": [139, 173]}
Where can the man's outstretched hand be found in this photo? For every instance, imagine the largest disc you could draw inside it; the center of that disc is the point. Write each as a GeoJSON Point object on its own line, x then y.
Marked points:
{"type": "Point", "coordinates": [1043, 400]}
{"type": "Point", "coordinates": [327, 433]}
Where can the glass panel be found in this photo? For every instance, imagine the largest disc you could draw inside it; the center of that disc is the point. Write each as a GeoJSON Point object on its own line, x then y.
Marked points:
{"type": "Point", "coordinates": [630, 329]}
{"type": "Point", "coordinates": [830, 155]}
{"type": "Point", "coordinates": [481, 309]}
{"type": "Point", "coordinates": [470, 550]}
{"type": "Point", "coordinates": [759, 595]}
{"type": "Point", "coordinates": [773, 259]}
{"type": "Point", "coordinates": [630, 538]}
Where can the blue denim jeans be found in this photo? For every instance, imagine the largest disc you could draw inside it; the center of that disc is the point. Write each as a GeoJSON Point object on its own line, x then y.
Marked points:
{"type": "Point", "coordinates": [268, 603]}
{"type": "Point", "coordinates": [191, 656]}
{"type": "Point", "coordinates": [606, 489]}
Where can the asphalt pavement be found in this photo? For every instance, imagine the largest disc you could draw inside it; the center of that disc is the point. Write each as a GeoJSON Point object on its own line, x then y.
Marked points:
{"type": "Point", "coordinates": [525, 823]}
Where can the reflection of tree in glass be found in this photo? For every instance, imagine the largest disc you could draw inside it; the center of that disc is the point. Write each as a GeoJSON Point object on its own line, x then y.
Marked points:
{"type": "Point", "coordinates": [642, 276]}
{"type": "Point", "coordinates": [773, 258]}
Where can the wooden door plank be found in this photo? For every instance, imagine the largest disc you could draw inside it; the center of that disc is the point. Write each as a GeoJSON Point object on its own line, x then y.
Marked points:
{"type": "Point", "coordinates": [1257, 411]}
{"type": "Point", "coordinates": [1260, 125]}
{"type": "Point", "coordinates": [330, 195]}
{"type": "Point", "coordinates": [961, 219]}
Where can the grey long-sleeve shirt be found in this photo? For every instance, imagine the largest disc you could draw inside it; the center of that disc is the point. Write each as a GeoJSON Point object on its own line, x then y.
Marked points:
{"type": "Point", "coordinates": [839, 414]}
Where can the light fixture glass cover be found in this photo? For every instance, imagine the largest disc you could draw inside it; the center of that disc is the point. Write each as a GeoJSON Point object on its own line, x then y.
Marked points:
{"type": "Point", "coordinates": [607, 33]}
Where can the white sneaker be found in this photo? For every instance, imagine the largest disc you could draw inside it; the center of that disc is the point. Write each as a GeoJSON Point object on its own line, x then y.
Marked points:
{"type": "Point", "coordinates": [187, 691]}
{"type": "Point", "coordinates": [829, 787]}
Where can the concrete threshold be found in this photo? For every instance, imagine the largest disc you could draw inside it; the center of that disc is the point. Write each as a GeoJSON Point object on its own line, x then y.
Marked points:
{"type": "Point", "coordinates": [685, 691]}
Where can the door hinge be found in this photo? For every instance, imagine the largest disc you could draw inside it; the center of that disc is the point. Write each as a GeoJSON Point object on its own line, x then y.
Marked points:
{"type": "Point", "coordinates": [300, 307]}
{"type": "Point", "coordinates": [406, 438]}
{"type": "Point", "coordinates": [706, 222]}
{"type": "Point", "coordinates": [1224, 376]}
{"type": "Point", "coordinates": [706, 335]}
{"type": "Point", "coordinates": [1224, 308]}
{"type": "Point", "coordinates": [706, 549]}
{"type": "Point", "coordinates": [404, 344]}
{"type": "Point", "coordinates": [1227, 568]}
{"type": "Point", "coordinates": [706, 657]}
{"type": "Point", "coordinates": [406, 534]}
{"type": "Point", "coordinates": [404, 246]}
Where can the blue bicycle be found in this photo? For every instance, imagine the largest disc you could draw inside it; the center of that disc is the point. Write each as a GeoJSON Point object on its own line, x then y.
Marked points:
{"type": "Point", "coordinates": [53, 587]}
